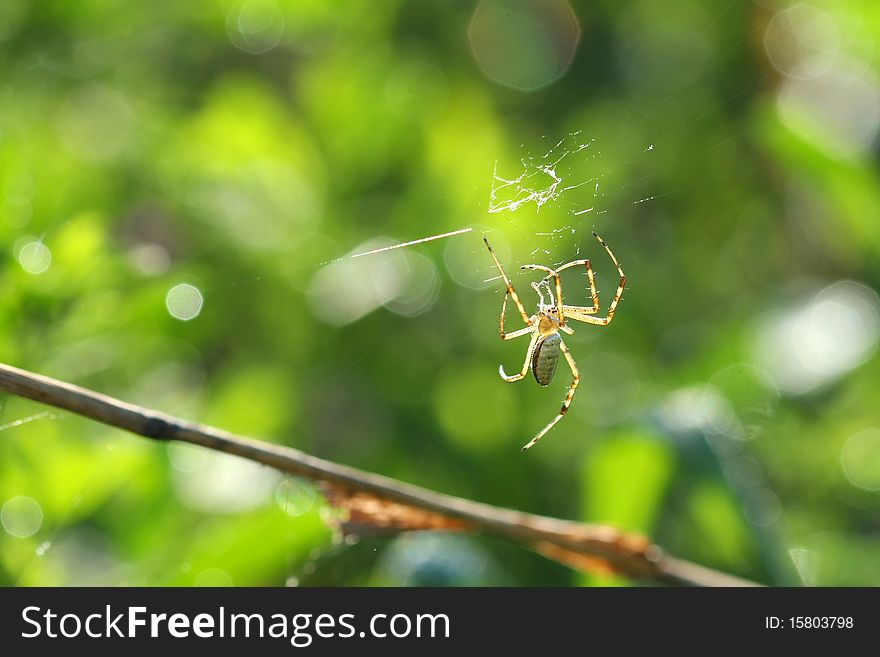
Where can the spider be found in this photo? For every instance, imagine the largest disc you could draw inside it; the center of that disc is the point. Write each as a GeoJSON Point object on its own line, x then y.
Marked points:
{"type": "Point", "coordinates": [542, 355]}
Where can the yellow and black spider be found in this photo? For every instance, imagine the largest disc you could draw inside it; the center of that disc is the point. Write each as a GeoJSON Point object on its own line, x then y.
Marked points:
{"type": "Point", "coordinates": [542, 355]}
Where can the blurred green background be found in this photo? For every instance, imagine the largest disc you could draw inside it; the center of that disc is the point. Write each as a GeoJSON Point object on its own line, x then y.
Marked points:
{"type": "Point", "coordinates": [175, 177]}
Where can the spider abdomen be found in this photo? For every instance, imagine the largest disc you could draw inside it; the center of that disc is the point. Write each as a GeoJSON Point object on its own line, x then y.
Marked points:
{"type": "Point", "coordinates": [545, 359]}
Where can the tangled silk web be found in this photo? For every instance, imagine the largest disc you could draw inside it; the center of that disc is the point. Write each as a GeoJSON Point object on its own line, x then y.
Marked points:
{"type": "Point", "coordinates": [568, 182]}
{"type": "Point", "coordinates": [565, 187]}
{"type": "Point", "coordinates": [542, 179]}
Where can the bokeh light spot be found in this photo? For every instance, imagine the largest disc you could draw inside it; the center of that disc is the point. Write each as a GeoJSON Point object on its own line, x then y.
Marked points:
{"type": "Point", "coordinates": [255, 26]}
{"type": "Point", "coordinates": [149, 259]}
{"type": "Point", "coordinates": [186, 458]}
{"type": "Point", "coordinates": [184, 301]}
{"type": "Point", "coordinates": [525, 44]}
{"type": "Point", "coordinates": [860, 459]}
{"type": "Point", "coordinates": [21, 516]}
{"type": "Point", "coordinates": [802, 41]}
{"type": "Point", "coordinates": [220, 483]}
{"type": "Point", "coordinates": [35, 257]}
{"type": "Point", "coordinates": [805, 562]}
{"type": "Point", "coordinates": [345, 290]}
{"type": "Point", "coordinates": [699, 409]}
{"type": "Point", "coordinates": [811, 345]}
{"type": "Point", "coordinates": [420, 288]}
{"type": "Point", "coordinates": [469, 264]}
{"type": "Point", "coordinates": [838, 111]}
{"type": "Point", "coordinates": [295, 496]}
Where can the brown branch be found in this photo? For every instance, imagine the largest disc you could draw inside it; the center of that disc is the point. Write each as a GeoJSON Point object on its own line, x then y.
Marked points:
{"type": "Point", "coordinates": [382, 501]}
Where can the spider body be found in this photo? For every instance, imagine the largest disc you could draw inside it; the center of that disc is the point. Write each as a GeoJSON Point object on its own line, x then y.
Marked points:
{"type": "Point", "coordinates": [544, 327]}
{"type": "Point", "coordinates": [545, 358]}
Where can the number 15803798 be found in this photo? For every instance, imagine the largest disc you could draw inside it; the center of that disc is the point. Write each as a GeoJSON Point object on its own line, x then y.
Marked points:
{"type": "Point", "coordinates": [809, 622]}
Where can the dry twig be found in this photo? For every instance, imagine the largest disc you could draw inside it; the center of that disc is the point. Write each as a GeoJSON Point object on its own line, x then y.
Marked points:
{"type": "Point", "coordinates": [383, 503]}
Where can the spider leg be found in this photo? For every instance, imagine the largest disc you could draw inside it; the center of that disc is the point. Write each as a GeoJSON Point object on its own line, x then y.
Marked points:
{"type": "Point", "coordinates": [594, 294]}
{"type": "Point", "coordinates": [526, 364]}
{"type": "Point", "coordinates": [510, 290]}
{"type": "Point", "coordinates": [568, 397]}
{"type": "Point", "coordinates": [582, 314]}
{"type": "Point", "coordinates": [514, 334]}
{"type": "Point", "coordinates": [560, 315]}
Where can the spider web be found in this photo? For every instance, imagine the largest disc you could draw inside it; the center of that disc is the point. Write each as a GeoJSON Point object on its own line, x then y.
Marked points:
{"type": "Point", "coordinates": [556, 195]}
{"type": "Point", "coordinates": [43, 415]}
{"type": "Point", "coordinates": [542, 180]}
